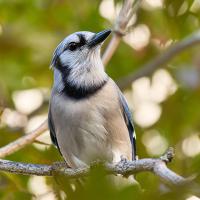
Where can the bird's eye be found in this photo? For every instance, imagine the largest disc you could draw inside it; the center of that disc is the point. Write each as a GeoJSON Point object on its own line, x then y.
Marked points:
{"type": "Point", "coordinates": [72, 46]}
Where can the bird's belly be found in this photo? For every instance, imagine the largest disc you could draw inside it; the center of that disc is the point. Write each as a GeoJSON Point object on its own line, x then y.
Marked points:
{"type": "Point", "coordinates": [81, 134]}
{"type": "Point", "coordinates": [95, 144]}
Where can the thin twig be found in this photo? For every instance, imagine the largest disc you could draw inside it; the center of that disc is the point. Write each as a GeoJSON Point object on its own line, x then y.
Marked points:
{"type": "Point", "coordinates": [160, 60]}
{"type": "Point", "coordinates": [112, 46]}
{"type": "Point", "coordinates": [22, 141]}
{"type": "Point", "coordinates": [124, 167]}
{"type": "Point", "coordinates": [120, 26]}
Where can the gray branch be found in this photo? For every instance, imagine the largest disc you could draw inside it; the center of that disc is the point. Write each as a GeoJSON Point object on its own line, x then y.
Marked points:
{"type": "Point", "coordinates": [160, 60]}
{"type": "Point", "coordinates": [23, 141]}
{"type": "Point", "coordinates": [124, 167]}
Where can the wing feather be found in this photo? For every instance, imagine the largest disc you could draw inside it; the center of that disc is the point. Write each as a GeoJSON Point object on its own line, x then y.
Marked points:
{"type": "Point", "coordinates": [52, 129]}
{"type": "Point", "coordinates": [129, 122]}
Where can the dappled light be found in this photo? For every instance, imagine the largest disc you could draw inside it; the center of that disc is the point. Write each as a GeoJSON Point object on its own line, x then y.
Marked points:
{"type": "Point", "coordinates": [153, 4]}
{"type": "Point", "coordinates": [147, 94]}
{"type": "Point", "coordinates": [35, 121]}
{"type": "Point", "coordinates": [107, 9]}
{"type": "Point", "coordinates": [139, 37]}
{"type": "Point", "coordinates": [39, 187]}
{"type": "Point", "coordinates": [13, 118]}
{"type": "Point", "coordinates": [155, 143]}
{"type": "Point", "coordinates": [191, 145]}
{"type": "Point", "coordinates": [147, 114]}
{"type": "Point", "coordinates": [193, 198]}
{"type": "Point", "coordinates": [28, 100]}
{"type": "Point", "coordinates": [195, 7]}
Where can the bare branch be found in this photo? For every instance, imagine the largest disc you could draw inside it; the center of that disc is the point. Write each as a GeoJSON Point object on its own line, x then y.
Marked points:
{"type": "Point", "coordinates": [25, 168]}
{"type": "Point", "coordinates": [160, 60]}
{"type": "Point", "coordinates": [120, 26]}
{"type": "Point", "coordinates": [124, 167]}
{"type": "Point", "coordinates": [23, 141]}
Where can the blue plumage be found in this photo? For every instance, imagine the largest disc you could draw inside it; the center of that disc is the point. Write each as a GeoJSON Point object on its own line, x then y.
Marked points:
{"type": "Point", "coordinates": [52, 130]}
{"type": "Point", "coordinates": [129, 122]}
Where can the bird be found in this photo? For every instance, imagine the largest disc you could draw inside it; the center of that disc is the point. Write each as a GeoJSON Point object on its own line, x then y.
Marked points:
{"type": "Point", "coordinates": [89, 118]}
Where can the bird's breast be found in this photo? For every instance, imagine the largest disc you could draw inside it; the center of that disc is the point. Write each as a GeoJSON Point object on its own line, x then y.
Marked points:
{"type": "Point", "coordinates": [82, 126]}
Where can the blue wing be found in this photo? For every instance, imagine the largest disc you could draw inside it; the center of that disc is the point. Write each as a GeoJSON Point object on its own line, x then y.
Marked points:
{"type": "Point", "coordinates": [129, 122]}
{"type": "Point", "coordinates": [52, 129]}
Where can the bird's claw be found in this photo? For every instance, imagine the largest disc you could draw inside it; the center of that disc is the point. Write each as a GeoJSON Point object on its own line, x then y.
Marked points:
{"type": "Point", "coordinates": [123, 164]}
{"type": "Point", "coordinates": [123, 161]}
{"type": "Point", "coordinates": [59, 165]}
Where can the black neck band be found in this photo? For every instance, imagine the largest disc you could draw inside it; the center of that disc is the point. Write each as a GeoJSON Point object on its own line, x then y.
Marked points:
{"type": "Point", "coordinates": [73, 91]}
{"type": "Point", "coordinates": [82, 92]}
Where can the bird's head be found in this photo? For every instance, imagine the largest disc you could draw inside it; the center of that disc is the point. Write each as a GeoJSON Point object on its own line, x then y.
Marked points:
{"type": "Point", "coordinates": [77, 57]}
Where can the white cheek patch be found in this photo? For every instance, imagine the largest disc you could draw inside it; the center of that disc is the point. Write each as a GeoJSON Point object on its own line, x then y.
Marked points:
{"type": "Point", "coordinates": [58, 83]}
{"type": "Point", "coordinates": [71, 58]}
{"type": "Point", "coordinates": [67, 58]}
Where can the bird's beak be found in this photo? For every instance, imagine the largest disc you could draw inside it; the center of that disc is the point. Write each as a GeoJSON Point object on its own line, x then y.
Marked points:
{"type": "Point", "coordinates": [99, 38]}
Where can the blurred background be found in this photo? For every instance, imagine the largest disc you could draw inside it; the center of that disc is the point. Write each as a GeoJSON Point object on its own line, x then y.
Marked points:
{"type": "Point", "coordinates": [165, 104]}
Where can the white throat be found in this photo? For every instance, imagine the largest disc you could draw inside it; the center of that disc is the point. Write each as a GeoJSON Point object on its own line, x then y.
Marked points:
{"type": "Point", "coordinates": [87, 72]}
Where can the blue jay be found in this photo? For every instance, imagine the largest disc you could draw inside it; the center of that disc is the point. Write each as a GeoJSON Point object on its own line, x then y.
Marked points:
{"type": "Point", "coordinates": [89, 118]}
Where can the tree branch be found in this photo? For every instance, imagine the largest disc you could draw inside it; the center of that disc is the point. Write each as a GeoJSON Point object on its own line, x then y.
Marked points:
{"type": "Point", "coordinates": [160, 60]}
{"type": "Point", "coordinates": [22, 141]}
{"type": "Point", "coordinates": [124, 167]}
{"type": "Point", "coordinates": [128, 9]}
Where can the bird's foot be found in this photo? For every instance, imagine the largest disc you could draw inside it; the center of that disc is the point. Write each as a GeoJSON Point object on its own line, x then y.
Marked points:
{"type": "Point", "coordinates": [59, 165]}
{"type": "Point", "coordinates": [123, 165]}
{"type": "Point", "coordinates": [123, 162]}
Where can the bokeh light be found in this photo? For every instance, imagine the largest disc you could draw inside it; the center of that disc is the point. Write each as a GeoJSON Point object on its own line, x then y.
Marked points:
{"type": "Point", "coordinates": [26, 101]}
{"type": "Point", "coordinates": [13, 118]}
{"type": "Point", "coordinates": [37, 185]}
{"type": "Point", "coordinates": [191, 145]}
{"type": "Point", "coordinates": [154, 142]}
{"type": "Point", "coordinates": [139, 37]}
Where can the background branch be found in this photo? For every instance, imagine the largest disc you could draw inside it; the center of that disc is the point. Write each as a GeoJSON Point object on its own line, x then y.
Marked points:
{"type": "Point", "coordinates": [160, 60]}
{"type": "Point", "coordinates": [23, 141]}
{"type": "Point", "coordinates": [124, 167]}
